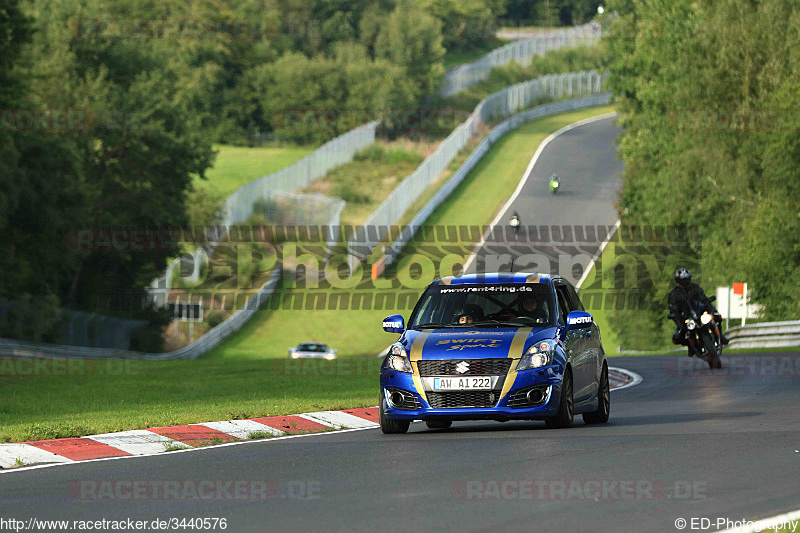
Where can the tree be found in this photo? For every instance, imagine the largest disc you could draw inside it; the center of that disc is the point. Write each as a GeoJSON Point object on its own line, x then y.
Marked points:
{"type": "Point", "coordinates": [708, 93]}
{"type": "Point", "coordinates": [412, 38]}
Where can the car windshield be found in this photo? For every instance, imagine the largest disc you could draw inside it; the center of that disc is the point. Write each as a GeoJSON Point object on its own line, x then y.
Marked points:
{"type": "Point", "coordinates": [498, 305]}
{"type": "Point", "coordinates": [308, 347]}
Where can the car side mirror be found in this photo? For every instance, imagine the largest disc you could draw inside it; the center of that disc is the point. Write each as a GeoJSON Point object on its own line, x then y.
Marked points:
{"type": "Point", "coordinates": [579, 319]}
{"type": "Point", "coordinates": [394, 324]}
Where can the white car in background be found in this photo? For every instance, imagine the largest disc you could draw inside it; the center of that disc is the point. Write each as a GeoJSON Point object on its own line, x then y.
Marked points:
{"type": "Point", "coordinates": [312, 350]}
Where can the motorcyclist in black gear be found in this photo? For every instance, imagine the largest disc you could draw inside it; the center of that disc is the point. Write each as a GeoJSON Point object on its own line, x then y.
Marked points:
{"type": "Point", "coordinates": [679, 300]}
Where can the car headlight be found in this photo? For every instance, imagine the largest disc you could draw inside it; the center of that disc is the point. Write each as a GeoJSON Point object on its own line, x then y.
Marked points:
{"type": "Point", "coordinates": [398, 359]}
{"type": "Point", "coordinates": [705, 319]}
{"type": "Point", "coordinates": [295, 355]}
{"type": "Point", "coordinates": [537, 356]}
{"type": "Point", "coordinates": [330, 356]}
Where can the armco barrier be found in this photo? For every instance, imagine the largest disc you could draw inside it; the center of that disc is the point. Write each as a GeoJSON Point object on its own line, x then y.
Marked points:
{"type": "Point", "coordinates": [463, 76]}
{"type": "Point", "coordinates": [765, 335]}
{"type": "Point", "coordinates": [497, 132]}
{"type": "Point", "coordinates": [14, 348]}
{"type": "Point", "coordinates": [241, 204]}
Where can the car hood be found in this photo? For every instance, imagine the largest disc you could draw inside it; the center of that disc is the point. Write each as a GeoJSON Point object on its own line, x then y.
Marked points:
{"type": "Point", "coordinates": [479, 343]}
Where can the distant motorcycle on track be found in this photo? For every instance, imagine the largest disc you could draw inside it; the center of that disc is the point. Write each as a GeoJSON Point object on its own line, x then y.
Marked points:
{"type": "Point", "coordinates": [554, 184]}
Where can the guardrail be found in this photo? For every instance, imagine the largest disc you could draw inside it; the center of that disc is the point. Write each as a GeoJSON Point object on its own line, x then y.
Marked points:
{"type": "Point", "coordinates": [499, 104]}
{"type": "Point", "coordinates": [14, 348]}
{"type": "Point", "coordinates": [239, 205]}
{"type": "Point", "coordinates": [458, 176]}
{"type": "Point", "coordinates": [522, 51]}
{"type": "Point", "coordinates": [765, 335]}
{"type": "Point", "coordinates": [243, 202]}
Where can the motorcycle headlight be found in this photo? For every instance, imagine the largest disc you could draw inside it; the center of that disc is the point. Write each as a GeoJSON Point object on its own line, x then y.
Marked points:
{"type": "Point", "coordinates": [537, 356]}
{"type": "Point", "coordinates": [398, 359]}
{"type": "Point", "coordinates": [691, 324]}
{"type": "Point", "coordinates": [706, 318]}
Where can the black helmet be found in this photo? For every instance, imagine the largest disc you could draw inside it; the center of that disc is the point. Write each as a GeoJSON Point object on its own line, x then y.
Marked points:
{"type": "Point", "coordinates": [683, 276]}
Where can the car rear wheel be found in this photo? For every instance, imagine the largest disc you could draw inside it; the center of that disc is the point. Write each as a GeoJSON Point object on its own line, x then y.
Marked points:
{"type": "Point", "coordinates": [438, 424]}
{"type": "Point", "coordinates": [564, 416]}
{"type": "Point", "coordinates": [603, 401]}
{"type": "Point", "coordinates": [389, 426]}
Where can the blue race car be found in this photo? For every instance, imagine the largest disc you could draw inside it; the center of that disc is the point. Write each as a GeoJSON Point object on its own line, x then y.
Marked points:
{"type": "Point", "coordinates": [508, 346]}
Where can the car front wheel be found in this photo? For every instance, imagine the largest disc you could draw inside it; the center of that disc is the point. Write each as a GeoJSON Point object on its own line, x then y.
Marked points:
{"type": "Point", "coordinates": [389, 426]}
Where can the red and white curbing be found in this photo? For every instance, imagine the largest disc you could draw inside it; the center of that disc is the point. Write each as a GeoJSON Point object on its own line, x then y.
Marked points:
{"type": "Point", "coordinates": [156, 440]}
{"type": "Point", "coordinates": [621, 378]}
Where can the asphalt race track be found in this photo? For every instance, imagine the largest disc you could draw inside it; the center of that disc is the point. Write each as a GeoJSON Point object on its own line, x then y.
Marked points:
{"type": "Point", "coordinates": [585, 159]}
{"type": "Point", "coordinates": [686, 443]}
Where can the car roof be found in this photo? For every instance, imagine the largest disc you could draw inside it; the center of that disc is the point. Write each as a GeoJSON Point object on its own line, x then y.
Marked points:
{"type": "Point", "coordinates": [493, 278]}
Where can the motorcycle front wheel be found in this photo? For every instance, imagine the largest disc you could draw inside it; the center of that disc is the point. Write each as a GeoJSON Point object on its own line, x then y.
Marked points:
{"type": "Point", "coordinates": [712, 350]}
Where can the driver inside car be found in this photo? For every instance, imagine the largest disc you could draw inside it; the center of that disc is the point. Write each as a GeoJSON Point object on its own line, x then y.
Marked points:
{"type": "Point", "coordinates": [529, 308]}
{"type": "Point", "coordinates": [471, 313]}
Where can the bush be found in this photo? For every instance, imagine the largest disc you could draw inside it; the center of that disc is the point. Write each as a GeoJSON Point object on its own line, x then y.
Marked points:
{"type": "Point", "coordinates": [373, 152]}
{"type": "Point", "coordinates": [215, 318]}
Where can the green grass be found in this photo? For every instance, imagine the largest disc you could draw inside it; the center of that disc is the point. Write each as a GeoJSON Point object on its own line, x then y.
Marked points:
{"type": "Point", "coordinates": [358, 332]}
{"type": "Point", "coordinates": [116, 396]}
{"type": "Point", "coordinates": [238, 165]}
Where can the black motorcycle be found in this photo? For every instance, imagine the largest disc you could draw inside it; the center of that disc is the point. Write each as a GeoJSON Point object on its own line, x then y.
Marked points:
{"type": "Point", "coordinates": [703, 333]}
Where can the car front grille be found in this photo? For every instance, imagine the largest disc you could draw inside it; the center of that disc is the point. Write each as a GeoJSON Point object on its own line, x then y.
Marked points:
{"type": "Point", "coordinates": [477, 367]}
{"type": "Point", "coordinates": [455, 399]}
